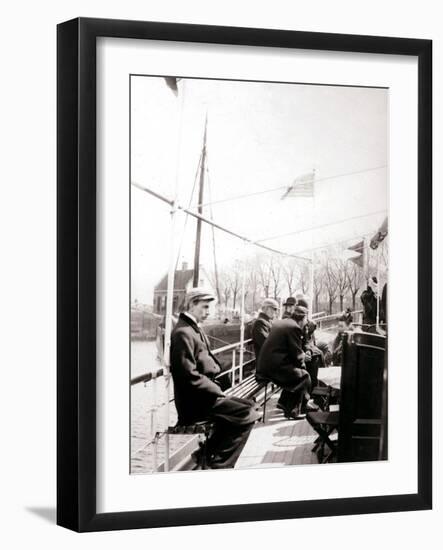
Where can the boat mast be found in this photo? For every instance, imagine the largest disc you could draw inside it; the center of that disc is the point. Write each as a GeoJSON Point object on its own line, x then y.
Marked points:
{"type": "Point", "coordinates": [200, 211]}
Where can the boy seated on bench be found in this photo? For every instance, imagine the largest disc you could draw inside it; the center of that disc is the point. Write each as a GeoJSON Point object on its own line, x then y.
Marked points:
{"type": "Point", "coordinates": [198, 396]}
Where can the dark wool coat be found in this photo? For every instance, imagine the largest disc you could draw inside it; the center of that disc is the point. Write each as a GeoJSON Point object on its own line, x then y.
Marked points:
{"type": "Point", "coordinates": [193, 368]}
{"type": "Point", "coordinates": [369, 301]}
{"type": "Point", "coordinates": [260, 331]}
{"type": "Point", "coordinates": [281, 356]}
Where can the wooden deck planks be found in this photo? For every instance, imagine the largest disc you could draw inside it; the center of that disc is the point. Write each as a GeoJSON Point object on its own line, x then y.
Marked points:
{"type": "Point", "coordinates": [278, 442]}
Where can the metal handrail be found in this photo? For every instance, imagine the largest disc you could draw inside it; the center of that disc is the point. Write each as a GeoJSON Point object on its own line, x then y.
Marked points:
{"type": "Point", "coordinates": [335, 315]}
{"type": "Point", "coordinates": [148, 376]}
{"type": "Point", "coordinates": [153, 376]}
{"type": "Point", "coordinates": [230, 347]}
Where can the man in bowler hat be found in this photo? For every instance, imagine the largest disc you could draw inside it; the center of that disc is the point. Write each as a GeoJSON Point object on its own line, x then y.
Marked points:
{"type": "Point", "coordinates": [289, 306]}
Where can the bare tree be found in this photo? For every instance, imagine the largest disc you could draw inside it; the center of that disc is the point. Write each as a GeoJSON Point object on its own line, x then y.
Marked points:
{"type": "Point", "coordinates": [225, 287]}
{"type": "Point", "coordinates": [319, 282]}
{"type": "Point", "coordinates": [303, 277]}
{"type": "Point", "coordinates": [275, 269]}
{"type": "Point", "coordinates": [235, 282]}
{"type": "Point", "coordinates": [356, 280]}
{"type": "Point", "coordinates": [264, 273]}
{"type": "Point", "coordinates": [252, 283]}
{"type": "Point", "coordinates": [330, 283]}
{"type": "Point", "coordinates": [290, 269]}
{"type": "Point", "coordinates": [340, 269]}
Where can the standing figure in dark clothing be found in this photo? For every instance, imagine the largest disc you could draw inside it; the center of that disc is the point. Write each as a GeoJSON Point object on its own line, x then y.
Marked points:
{"type": "Point", "coordinates": [369, 300]}
{"type": "Point", "coordinates": [262, 325]}
{"type": "Point", "coordinates": [344, 325]}
{"type": "Point", "coordinates": [198, 396]}
{"type": "Point", "coordinates": [289, 306]}
{"type": "Point", "coordinates": [383, 306]}
{"type": "Point", "coordinates": [314, 356]}
{"type": "Point", "coordinates": [282, 360]}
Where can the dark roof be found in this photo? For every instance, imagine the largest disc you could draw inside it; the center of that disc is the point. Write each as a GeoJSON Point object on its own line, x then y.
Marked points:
{"type": "Point", "coordinates": [181, 279]}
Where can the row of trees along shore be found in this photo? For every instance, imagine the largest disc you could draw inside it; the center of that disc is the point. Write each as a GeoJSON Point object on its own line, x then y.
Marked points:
{"type": "Point", "coordinates": [338, 282]}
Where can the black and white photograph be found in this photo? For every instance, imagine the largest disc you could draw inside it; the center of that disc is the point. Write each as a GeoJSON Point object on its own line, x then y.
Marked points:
{"type": "Point", "coordinates": [259, 274]}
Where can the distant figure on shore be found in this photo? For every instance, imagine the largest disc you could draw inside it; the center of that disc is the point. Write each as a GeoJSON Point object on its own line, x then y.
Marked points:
{"type": "Point", "coordinates": [344, 325]}
{"type": "Point", "coordinates": [262, 325]}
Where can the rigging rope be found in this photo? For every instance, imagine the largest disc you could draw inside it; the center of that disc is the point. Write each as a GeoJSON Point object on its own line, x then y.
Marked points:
{"type": "Point", "coordinates": [284, 187]}
{"type": "Point", "coordinates": [321, 226]}
{"type": "Point", "coordinates": [217, 286]}
{"type": "Point", "coordinates": [177, 206]}
{"type": "Point", "coordinates": [187, 215]}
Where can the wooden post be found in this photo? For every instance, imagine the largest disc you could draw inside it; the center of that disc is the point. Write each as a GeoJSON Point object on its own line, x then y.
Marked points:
{"type": "Point", "coordinates": [170, 287]}
{"type": "Point", "coordinates": [377, 322]}
{"type": "Point", "coordinates": [200, 211]}
{"type": "Point", "coordinates": [242, 313]}
{"type": "Point", "coordinates": [366, 259]}
{"type": "Point", "coordinates": [168, 330]}
{"type": "Point", "coordinates": [311, 285]}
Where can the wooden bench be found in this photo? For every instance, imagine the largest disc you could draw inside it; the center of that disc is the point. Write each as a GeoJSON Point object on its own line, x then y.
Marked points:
{"type": "Point", "coordinates": [249, 388]}
{"type": "Point", "coordinates": [203, 429]}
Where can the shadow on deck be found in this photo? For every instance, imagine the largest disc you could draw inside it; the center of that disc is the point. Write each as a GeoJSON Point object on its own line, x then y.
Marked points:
{"type": "Point", "coordinates": [278, 442]}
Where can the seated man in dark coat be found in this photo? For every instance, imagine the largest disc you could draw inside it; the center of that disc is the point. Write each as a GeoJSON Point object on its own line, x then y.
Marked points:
{"type": "Point", "coordinates": [262, 325]}
{"type": "Point", "coordinates": [198, 396]}
{"type": "Point", "coordinates": [282, 360]}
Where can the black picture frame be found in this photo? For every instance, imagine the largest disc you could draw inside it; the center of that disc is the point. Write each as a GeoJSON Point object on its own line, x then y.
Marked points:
{"type": "Point", "coordinates": [76, 279]}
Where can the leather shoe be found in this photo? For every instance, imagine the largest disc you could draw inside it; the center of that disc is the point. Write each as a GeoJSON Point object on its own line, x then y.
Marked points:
{"type": "Point", "coordinates": [310, 407]}
{"type": "Point", "coordinates": [281, 407]}
{"type": "Point", "coordinates": [295, 414]}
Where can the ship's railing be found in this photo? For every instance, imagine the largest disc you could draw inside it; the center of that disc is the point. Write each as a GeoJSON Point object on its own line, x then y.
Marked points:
{"type": "Point", "coordinates": [327, 322]}
{"type": "Point", "coordinates": [154, 378]}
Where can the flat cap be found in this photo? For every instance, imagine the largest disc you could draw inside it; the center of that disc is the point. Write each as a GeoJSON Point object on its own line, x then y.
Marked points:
{"type": "Point", "coordinates": [199, 293]}
{"type": "Point", "coordinates": [269, 302]}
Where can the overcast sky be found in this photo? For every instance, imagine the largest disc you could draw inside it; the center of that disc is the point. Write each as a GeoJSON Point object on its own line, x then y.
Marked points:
{"type": "Point", "coordinates": [260, 136]}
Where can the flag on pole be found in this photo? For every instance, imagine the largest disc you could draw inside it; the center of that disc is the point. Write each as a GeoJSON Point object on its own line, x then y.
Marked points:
{"type": "Point", "coordinates": [380, 235]}
{"type": "Point", "coordinates": [303, 186]}
{"type": "Point", "coordinates": [359, 248]}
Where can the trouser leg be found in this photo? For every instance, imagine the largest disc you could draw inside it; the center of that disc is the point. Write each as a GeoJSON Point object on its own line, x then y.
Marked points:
{"type": "Point", "coordinates": [227, 443]}
{"type": "Point", "coordinates": [312, 368]}
{"type": "Point", "coordinates": [297, 399]}
{"type": "Point", "coordinates": [285, 399]}
{"type": "Point", "coordinates": [234, 419]}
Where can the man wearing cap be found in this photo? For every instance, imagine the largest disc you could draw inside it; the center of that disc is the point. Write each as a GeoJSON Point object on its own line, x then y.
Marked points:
{"type": "Point", "coordinates": [262, 325]}
{"type": "Point", "coordinates": [282, 360]}
{"type": "Point", "coordinates": [198, 395]}
{"type": "Point", "coordinates": [289, 306]}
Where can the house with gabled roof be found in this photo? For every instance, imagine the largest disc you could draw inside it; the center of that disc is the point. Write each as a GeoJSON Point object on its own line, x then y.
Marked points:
{"type": "Point", "coordinates": [183, 282]}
